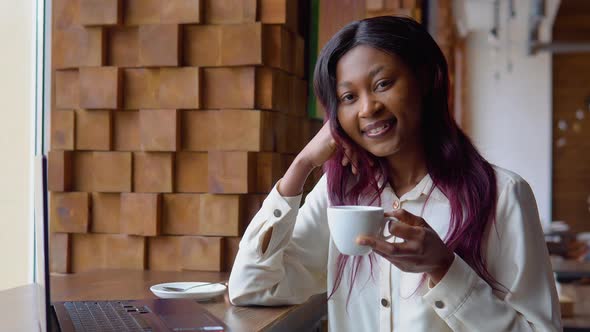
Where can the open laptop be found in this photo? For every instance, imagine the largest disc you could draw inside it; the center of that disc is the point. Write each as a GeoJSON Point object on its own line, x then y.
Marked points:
{"type": "Point", "coordinates": [117, 315]}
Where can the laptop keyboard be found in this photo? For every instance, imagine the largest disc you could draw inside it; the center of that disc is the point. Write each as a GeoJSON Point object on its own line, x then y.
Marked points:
{"type": "Point", "coordinates": [106, 316]}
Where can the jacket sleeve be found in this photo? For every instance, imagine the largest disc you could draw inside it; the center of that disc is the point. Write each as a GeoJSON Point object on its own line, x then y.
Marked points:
{"type": "Point", "coordinates": [517, 258]}
{"type": "Point", "coordinates": [293, 267]}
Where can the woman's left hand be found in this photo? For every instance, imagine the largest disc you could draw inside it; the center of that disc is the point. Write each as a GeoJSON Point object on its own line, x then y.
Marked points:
{"type": "Point", "coordinates": [422, 250]}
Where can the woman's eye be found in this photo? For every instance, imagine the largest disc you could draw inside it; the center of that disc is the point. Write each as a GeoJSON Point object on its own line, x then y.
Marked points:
{"type": "Point", "coordinates": [347, 98]}
{"type": "Point", "coordinates": [383, 84]}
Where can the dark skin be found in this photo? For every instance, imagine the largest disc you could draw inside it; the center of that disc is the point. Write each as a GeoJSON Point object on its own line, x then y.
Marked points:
{"type": "Point", "coordinates": [380, 110]}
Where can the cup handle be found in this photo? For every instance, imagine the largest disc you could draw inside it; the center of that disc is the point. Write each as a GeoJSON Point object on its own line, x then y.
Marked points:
{"type": "Point", "coordinates": [387, 222]}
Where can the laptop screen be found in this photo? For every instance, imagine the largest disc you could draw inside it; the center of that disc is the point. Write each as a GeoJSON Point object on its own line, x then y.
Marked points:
{"type": "Point", "coordinates": [41, 273]}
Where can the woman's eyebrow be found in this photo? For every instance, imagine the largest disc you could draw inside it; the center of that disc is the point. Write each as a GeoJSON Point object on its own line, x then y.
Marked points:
{"type": "Point", "coordinates": [376, 71]}
{"type": "Point", "coordinates": [343, 84]}
{"type": "Point", "coordinates": [372, 74]}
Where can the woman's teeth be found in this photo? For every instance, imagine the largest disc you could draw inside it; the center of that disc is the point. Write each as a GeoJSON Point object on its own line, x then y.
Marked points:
{"type": "Point", "coordinates": [378, 130]}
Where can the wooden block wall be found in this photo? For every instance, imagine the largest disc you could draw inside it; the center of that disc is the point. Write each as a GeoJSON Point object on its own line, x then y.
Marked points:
{"type": "Point", "coordinates": [171, 121]}
{"type": "Point", "coordinates": [410, 8]}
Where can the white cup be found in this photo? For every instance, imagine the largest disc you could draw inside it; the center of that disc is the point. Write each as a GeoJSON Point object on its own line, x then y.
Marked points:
{"type": "Point", "coordinates": [348, 222]}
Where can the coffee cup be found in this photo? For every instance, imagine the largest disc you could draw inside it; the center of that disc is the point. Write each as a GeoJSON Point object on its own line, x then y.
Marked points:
{"type": "Point", "coordinates": [348, 222]}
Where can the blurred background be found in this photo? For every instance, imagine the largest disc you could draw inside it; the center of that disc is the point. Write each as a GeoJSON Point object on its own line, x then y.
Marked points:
{"type": "Point", "coordinates": [167, 122]}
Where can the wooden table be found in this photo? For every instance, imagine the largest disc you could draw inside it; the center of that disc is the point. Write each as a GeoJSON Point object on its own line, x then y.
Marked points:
{"type": "Point", "coordinates": [570, 269]}
{"type": "Point", "coordinates": [580, 294]}
{"type": "Point", "coordinates": [17, 314]}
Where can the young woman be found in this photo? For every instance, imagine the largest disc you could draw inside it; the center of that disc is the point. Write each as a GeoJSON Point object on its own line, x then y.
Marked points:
{"type": "Point", "coordinates": [473, 256]}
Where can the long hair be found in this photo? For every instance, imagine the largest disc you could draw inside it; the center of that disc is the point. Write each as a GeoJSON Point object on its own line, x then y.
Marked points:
{"type": "Point", "coordinates": [454, 164]}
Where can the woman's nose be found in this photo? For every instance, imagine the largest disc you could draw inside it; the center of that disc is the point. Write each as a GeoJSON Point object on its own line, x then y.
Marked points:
{"type": "Point", "coordinates": [369, 107]}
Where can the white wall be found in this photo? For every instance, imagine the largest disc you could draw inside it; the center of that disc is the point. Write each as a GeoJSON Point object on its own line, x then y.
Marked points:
{"type": "Point", "coordinates": [17, 23]}
{"type": "Point", "coordinates": [510, 114]}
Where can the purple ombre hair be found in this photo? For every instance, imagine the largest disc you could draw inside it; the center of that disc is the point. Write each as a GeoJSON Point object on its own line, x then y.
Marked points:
{"type": "Point", "coordinates": [454, 164]}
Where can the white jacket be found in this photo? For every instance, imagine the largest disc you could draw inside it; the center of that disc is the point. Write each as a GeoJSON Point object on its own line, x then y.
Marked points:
{"type": "Point", "coordinates": [300, 261]}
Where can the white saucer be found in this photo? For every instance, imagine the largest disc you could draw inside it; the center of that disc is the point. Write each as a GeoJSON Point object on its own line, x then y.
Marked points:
{"type": "Point", "coordinates": [199, 293]}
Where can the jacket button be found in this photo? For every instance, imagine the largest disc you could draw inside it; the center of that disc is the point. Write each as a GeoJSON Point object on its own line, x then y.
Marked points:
{"type": "Point", "coordinates": [396, 204]}
{"type": "Point", "coordinates": [277, 213]}
{"type": "Point", "coordinates": [384, 302]}
{"type": "Point", "coordinates": [439, 304]}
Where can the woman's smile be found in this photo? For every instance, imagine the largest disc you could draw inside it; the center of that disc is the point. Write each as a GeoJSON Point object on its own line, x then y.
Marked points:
{"type": "Point", "coordinates": [380, 129]}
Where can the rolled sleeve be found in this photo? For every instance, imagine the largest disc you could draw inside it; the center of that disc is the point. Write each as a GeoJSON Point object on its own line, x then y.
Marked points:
{"type": "Point", "coordinates": [277, 212]}
{"type": "Point", "coordinates": [452, 291]}
{"type": "Point", "coordinates": [292, 267]}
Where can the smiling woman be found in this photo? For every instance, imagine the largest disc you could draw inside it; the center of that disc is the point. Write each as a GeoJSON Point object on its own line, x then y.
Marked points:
{"type": "Point", "coordinates": [379, 102]}
{"type": "Point", "coordinates": [470, 253]}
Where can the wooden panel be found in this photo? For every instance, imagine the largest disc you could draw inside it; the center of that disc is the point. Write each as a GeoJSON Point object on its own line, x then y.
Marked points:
{"type": "Point", "coordinates": [112, 171]}
{"type": "Point", "coordinates": [232, 245]}
{"type": "Point", "coordinates": [202, 253]}
{"type": "Point", "coordinates": [76, 46]}
{"type": "Point", "coordinates": [125, 252]}
{"type": "Point", "coordinates": [279, 12]}
{"type": "Point", "coordinates": [62, 130]}
{"type": "Point", "coordinates": [268, 171]}
{"type": "Point", "coordinates": [67, 89]}
{"type": "Point", "coordinates": [230, 11]}
{"type": "Point", "coordinates": [241, 130]}
{"type": "Point", "coordinates": [229, 88]}
{"type": "Point", "coordinates": [64, 13]}
{"type": "Point", "coordinates": [221, 215]}
{"type": "Point", "coordinates": [275, 48]}
{"type": "Point", "coordinates": [139, 12]}
{"type": "Point", "coordinates": [100, 87]}
{"type": "Point", "coordinates": [165, 253]}
{"type": "Point", "coordinates": [159, 45]}
{"type": "Point", "coordinates": [159, 130]}
{"type": "Point", "coordinates": [93, 130]}
{"type": "Point", "coordinates": [59, 170]}
{"type": "Point", "coordinates": [232, 172]}
{"type": "Point", "coordinates": [194, 39]}
{"type": "Point", "coordinates": [59, 253]}
{"type": "Point", "coordinates": [180, 88]}
{"type": "Point", "coordinates": [69, 212]}
{"type": "Point", "coordinates": [141, 88]}
{"type": "Point", "coordinates": [272, 89]}
{"type": "Point", "coordinates": [153, 172]}
{"type": "Point", "coordinates": [180, 214]}
{"type": "Point", "coordinates": [294, 132]}
{"type": "Point", "coordinates": [88, 252]}
{"type": "Point", "coordinates": [297, 97]}
{"type": "Point", "coordinates": [126, 131]}
{"type": "Point", "coordinates": [83, 166]}
{"type": "Point", "coordinates": [199, 132]}
{"type": "Point", "coordinates": [299, 55]}
{"type": "Point", "coordinates": [106, 209]}
{"type": "Point", "coordinates": [140, 214]}
{"type": "Point", "coordinates": [181, 11]}
{"type": "Point", "coordinates": [191, 172]}
{"type": "Point", "coordinates": [241, 44]}
{"type": "Point", "coordinates": [100, 12]}
{"type": "Point", "coordinates": [245, 88]}
{"type": "Point", "coordinates": [123, 50]}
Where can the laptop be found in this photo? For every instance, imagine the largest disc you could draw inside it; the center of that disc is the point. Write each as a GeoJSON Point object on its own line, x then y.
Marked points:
{"type": "Point", "coordinates": [118, 315]}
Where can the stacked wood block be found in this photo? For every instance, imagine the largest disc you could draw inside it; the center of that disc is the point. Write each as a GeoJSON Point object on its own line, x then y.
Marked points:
{"type": "Point", "coordinates": [171, 121]}
{"type": "Point", "coordinates": [411, 8]}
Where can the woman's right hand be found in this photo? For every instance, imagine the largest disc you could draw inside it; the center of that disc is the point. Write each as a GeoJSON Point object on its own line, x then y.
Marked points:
{"type": "Point", "coordinates": [321, 148]}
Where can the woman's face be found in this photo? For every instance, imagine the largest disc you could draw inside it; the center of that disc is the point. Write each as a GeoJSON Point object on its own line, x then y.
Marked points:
{"type": "Point", "coordinates": [379, 101]}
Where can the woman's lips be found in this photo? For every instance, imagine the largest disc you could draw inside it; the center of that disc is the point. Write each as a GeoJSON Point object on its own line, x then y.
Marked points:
{"type": "Point", "coordinates": [379, 128]}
